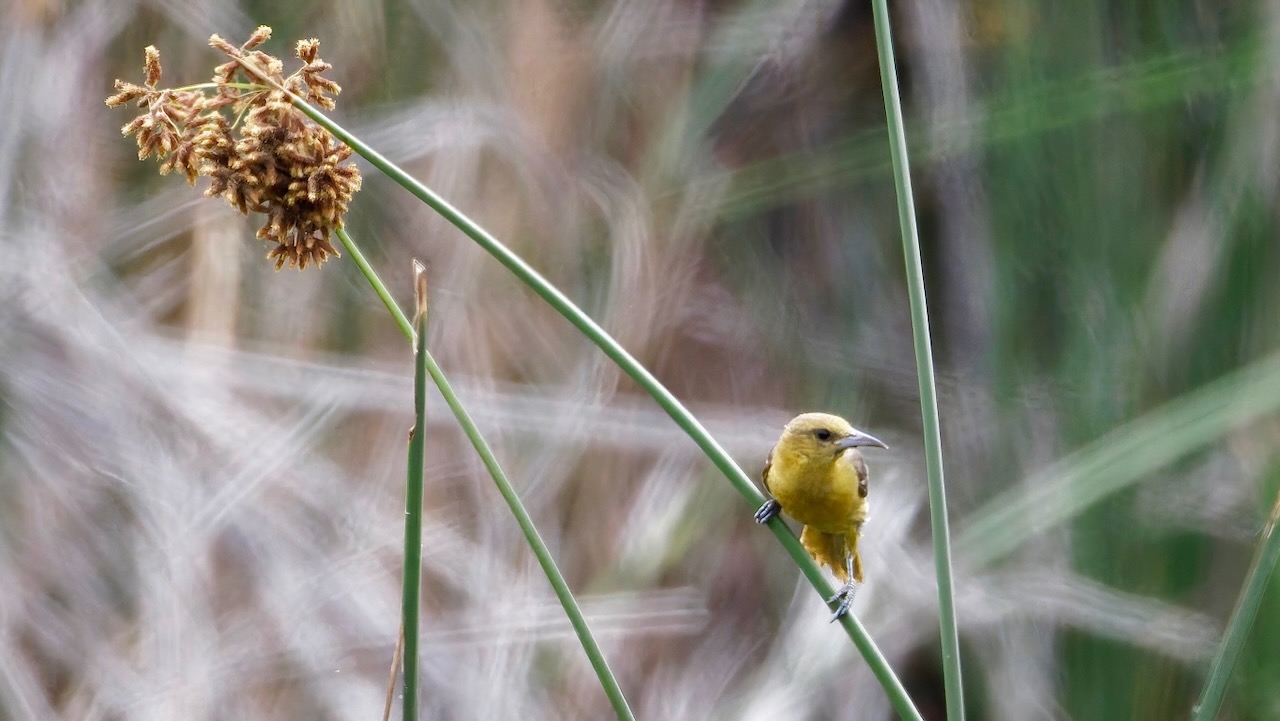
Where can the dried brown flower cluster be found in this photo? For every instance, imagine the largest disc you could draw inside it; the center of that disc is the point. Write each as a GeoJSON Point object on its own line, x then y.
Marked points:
{"type": "Point", "coordinates": [262, 153]}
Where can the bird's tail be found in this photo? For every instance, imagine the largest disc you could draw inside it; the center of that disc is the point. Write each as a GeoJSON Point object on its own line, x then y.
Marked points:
{"type": "Point", "coordinates": [831, 550]}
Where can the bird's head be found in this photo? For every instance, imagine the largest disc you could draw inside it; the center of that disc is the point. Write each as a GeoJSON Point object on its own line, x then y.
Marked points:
{"type": "Point", "coordinates": [822, 435]}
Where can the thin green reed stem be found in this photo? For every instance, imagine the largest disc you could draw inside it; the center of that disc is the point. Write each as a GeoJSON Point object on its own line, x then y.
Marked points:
{"type": "Point", "coordinates": [924, 365]}
{"type": "Point", "coordinates": [1237, 631]}
{"type": "Point", "coordinates": [416, 334]}
{"type": "Point", "coordinates": [410, 606]}
{"type": "Point", "coordinates": [611, 348]}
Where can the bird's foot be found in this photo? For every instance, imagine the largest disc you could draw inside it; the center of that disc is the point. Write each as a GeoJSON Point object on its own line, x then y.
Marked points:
{"type": "Point", "coordinates": [768, 511]}
{"type": "Point", "coordinates": [845, 598]}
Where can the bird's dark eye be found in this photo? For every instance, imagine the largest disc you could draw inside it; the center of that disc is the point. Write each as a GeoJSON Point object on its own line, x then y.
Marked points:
{"type": "Point", "coordinates": [823, 434]}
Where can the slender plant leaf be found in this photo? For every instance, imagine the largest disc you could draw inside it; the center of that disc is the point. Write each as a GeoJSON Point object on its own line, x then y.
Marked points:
{"type": "Point", "coordinates": [1246, 610]}
{"type": "Point", "coordinates": [396, 655]}
{"type": "Point", "coordinates": [1120, 459]}
{"type": "Point", "coordinates": [1140, 87]}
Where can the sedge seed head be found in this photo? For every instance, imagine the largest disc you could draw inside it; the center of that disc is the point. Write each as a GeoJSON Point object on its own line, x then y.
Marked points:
{"type": "Point", "coordinates": [261, 154]}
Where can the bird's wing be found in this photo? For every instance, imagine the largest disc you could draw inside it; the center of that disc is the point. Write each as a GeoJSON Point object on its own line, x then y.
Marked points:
{"type": "Point", "coordinates": [764, 475]}
{"type": "Point", "coordinates": [860, 466]}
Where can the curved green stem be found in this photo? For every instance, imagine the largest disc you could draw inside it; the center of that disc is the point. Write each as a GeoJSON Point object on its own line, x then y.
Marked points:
{"type": "Point", "coordinates": [611, 348]}
{"type": "Point", "coordinates": [561, 587]}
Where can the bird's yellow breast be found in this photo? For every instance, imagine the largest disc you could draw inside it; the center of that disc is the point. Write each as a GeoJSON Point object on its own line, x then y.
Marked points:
{"type": "Point", "coordinates": [822, 492]}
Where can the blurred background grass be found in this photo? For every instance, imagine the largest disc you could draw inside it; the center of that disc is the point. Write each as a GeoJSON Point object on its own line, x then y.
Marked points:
{"type": "Point", "coordinates": [202, 460]}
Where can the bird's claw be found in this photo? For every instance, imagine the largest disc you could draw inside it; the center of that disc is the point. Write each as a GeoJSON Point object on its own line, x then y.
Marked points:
{"type": "Point", "coordinates": [845, 598]}
{"type": "Point", "coordinates": [768, 511]}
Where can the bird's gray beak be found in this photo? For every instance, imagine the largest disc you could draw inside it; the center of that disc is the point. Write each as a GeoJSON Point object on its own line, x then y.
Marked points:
{"type": "Point", "coordinates": [858, 438]}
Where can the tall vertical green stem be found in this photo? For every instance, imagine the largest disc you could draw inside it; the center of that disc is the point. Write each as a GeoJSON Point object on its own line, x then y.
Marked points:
{"type": "Point", "coordinates": [924, 366]}
{"type": "Point", "coordinates": [413, 515]}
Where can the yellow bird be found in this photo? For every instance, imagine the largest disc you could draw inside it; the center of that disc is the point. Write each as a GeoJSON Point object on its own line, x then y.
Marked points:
{"type": "Point", "coordinates": [816, 474]}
